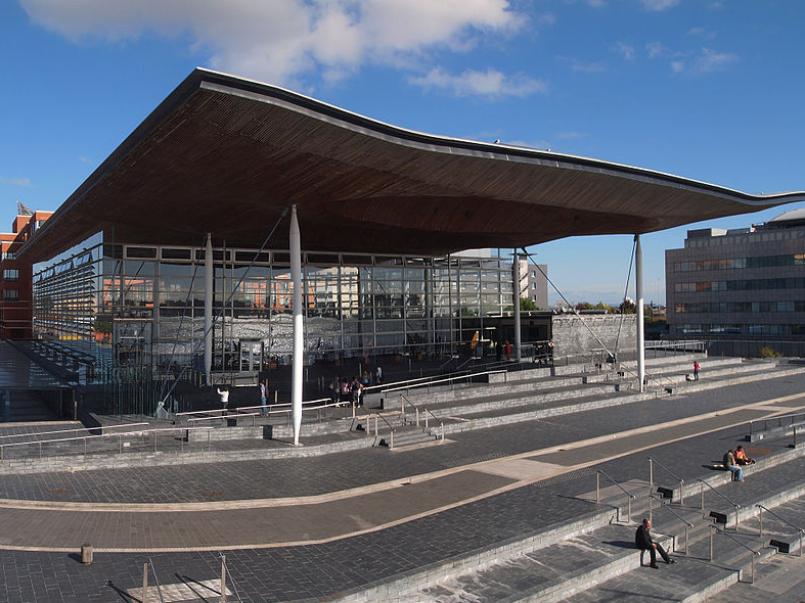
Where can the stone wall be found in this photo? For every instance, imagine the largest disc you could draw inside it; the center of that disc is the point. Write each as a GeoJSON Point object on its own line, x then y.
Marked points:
{"type": "Point", "coordinates": [572, 338]}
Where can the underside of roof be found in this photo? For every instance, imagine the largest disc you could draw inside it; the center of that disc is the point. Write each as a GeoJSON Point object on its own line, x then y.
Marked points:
{"type": "Point", "coordinates": [226, 155]}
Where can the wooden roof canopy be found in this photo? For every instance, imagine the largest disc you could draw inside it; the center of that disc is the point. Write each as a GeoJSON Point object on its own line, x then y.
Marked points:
{"type": "Point", "coordinates": [227, 155]}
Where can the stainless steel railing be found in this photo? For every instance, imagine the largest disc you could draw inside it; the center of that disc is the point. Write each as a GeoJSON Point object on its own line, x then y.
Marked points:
{"type": "Point", "coordinates": [651, 462]}
{"type": "Point", "coordinates": [688, 525]}
{"type": "Point", "coordinates": [799, 530]}
{"type": "Point", "coordinates": [715, 530]}
{"type": "Point", "coordinates": [629, 495]}
{"type": "Point", "coordinates": [735, 505]}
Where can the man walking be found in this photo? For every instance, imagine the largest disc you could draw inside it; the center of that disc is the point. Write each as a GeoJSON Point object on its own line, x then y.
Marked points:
{"type": "Point", "coordinates": [696, 368]}
{"type": "Point", "coordinates": [263, 398]}
{"type": "Point", "coordinates": [643, 541]}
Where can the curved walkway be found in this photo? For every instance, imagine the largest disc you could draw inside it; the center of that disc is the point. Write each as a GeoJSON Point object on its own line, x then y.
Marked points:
{"type": "Point", "coordinates": [282, 522]}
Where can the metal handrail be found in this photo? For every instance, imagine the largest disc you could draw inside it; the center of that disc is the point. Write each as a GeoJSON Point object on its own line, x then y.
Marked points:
{"type": "Point", "coordinates": [629, 495]}
{"type": "Point", "coordinates": [800, 530]}
{"type": "Point", "coordinates": [670, 510]}
{"type": "Point", "coordinates": [156, 579]}
{"type": "Point", "coordinates": [688, 525]}
{"type": "Point", "coordinates": [732, 502]}
{"type": "Point", "coordinates": [390, 426]}
{"type": "Point", "coordinates": [714, 529]}
{"type": "Point", "coordinates": [449, 379]}
{"type": "Point", "coordinates": [777, 418]}
{"type": "Point", "coordinates": [427, 410]}
{"type": "Point", "coordinates": [786, 522]}
{"type": "Point", "coordinates": [39, 433]}
{"type": "Point", "coordinates": [651, 461]}
{"type": "Point", "coordinates": [225, 573]}
{"type": "Point", "coordinates": [119, 435]}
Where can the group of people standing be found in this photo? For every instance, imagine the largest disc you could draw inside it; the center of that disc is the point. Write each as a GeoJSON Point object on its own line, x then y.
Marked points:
{"type": "Point", "coordinates": [350, 390]}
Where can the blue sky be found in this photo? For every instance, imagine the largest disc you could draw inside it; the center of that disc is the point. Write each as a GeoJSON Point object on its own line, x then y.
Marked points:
{"type": "Point", "coordinates": [706, 89]}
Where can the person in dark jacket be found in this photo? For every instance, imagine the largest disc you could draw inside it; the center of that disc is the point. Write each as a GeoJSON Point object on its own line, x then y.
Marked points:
{"type": "Point", "coordinates": [643, 541]}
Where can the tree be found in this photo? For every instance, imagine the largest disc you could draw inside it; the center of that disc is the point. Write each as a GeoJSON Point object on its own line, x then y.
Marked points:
{"type": "Point", "coordinates": [528, 305]}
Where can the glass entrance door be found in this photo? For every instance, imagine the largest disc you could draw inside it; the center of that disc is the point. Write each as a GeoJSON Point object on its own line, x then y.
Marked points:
{"type": "Point", "coordinates": [251, 355]}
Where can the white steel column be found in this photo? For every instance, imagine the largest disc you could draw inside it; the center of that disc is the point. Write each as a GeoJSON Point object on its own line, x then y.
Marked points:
{"type": "Point", "coordinates": [298, 326]}
{"type": "Point", "coordinates": [641, 338]}
{"type": "Point", "coordinates": [516, 299]}
{"type": "Point", "coordinates": [208, 301]}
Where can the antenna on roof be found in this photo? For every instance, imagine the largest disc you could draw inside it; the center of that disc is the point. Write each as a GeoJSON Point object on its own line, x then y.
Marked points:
{"type": "Point", "coordinates": [23, 210]}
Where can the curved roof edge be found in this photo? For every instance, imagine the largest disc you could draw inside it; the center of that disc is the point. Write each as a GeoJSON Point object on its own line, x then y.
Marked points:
{"type": "Point", "coordinates": [502, 151]}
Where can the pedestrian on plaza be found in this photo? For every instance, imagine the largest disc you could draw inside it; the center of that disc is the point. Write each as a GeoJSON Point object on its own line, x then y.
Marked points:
{"type": "Point", "coordinates": [732, 466]}
{"type": "Point", "coordinates": [507, 350]}
{"type": "Point", "coordinates": [644, 542]}
{"type": "Point", "coordinates": [696, 368]}
{"type": "Point", "coordinates": [264, 397]}
{"type": "Point", "coordinates": [741, 458]}
{"type": "Point", "coordinates": [379, 375]}
{"type": "Point", "coordinates": [224, 395]}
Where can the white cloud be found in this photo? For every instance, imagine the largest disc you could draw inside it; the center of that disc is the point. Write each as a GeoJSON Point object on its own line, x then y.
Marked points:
{"type": "Point", "coordinates": [490, 83]}
{"type": "Point", "coordinates": [658, 5]}
{"type": "Point", "coordinates": [627, 51]}
{"type": "Point", "coordinates": [701, 32]}
{"type": "Point", "coordinates": [710, 60]}
{"type": "Point", "coordinates": [656, 49]}
{"type": "Point", "coordinates": [283, 40]}
{"type": "Point", "coordinates": [584, 66]}
{"type": "Point", "coordinates": [15, 181]}
{"type": "Point", "coordinates": [704, 62]}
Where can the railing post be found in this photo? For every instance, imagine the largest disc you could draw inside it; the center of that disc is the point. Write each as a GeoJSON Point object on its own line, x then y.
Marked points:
{"type": "Point", "coordinates": [441, 428]}
{"type": "Point", "coordinates": [144, 597]}
{"type": "Point", "coordinates": [686, 539]}
{"type": "Point", "coordinates": [391, 440]}
{"type": "Point", "coordinates": [681, 492]}
{"type": "Point", "coordinates": [753, 568]}
{"type": "Point", "coordinates": [629, 508]}
{"type": "Point", "coordinates": [795, 436]}
{"type": "Point", "coordinates": [426, 427]}
{"type": "Point", "coordinates": [702, 503]}
{"type": "Point", "coordinates": [761, 522]}
{"type": "Point", "coordinates": [651, 509]}
{"type": "Point", "coordinates": [650, 479]}
{"type": "Point", "coordinates": [417, 416]}
{"type": "Point", "coordinates": [712, 536]}
{"type": "Point", "coordinates": [223, 578]}
{"type": "Point", "coordinates": [597, 487]}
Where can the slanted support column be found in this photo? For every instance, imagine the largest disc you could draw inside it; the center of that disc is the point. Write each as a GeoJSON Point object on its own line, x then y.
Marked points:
{"type": "Point", "coordinates": [641, 336]}
{"type": "Point", "coordinates": [518, 355]}
{"type": "Point", "coordinates": [208, 301]}
{"type": "Point", "coordinates": [298, 326]}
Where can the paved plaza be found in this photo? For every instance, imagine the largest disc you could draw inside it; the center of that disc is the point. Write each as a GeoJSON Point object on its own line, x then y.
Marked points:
{"type": "Point", "coordinates": [310, 528]}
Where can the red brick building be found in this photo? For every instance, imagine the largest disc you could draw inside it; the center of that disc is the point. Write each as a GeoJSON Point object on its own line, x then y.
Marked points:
{"type": "Point", "coordinates": [15, 277]}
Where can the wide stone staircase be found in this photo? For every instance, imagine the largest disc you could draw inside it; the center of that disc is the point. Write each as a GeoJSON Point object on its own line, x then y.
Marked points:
{"type": "Point", "coordinates": [713, 533]}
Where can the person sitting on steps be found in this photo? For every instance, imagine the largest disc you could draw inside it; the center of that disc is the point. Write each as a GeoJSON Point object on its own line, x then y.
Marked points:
{"type": "Point", "coordinates": [741, 458]}
{"type": "Point", "coordinates": [644, 542]}
{"type": "Point", "coordinates": [732, 466]}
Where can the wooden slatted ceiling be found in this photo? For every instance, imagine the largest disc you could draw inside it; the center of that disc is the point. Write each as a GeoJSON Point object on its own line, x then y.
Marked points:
{"type": "Point", "coordinates": [228, 164]}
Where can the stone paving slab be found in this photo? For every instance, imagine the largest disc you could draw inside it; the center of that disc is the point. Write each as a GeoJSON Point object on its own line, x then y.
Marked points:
{"type": "Point", "coordinates": [35, 528]}
{"type": "Point", "coordinates": [311, 476]}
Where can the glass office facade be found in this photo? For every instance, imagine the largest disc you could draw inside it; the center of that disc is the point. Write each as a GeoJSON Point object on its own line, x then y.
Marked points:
{"type": "Point", "coordinates": [144, 305]}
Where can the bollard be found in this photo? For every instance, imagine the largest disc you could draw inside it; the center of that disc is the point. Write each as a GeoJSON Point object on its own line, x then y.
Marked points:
{"type": "Point", "coordinates": [417, 416]}
{"type": "Point", "coordinates": [650, 478]}
{"type": "Point", "coordinates": [391, 440]}
{"type": "Point", "coordinates": [686, 539]}
{"type": "Point", "coordinates": [426, 427]}
{"type": "Point", "coordinates": [681, 492]}
{"type": "Point", "coordinates": [597, 487]}
{"type": "Point", "coordinates": [86, 554]}
{"type": "Point", "coordinates": [795, 436]}
{"type": "Point", "coordinates": [650, 509]}
{"type": "Point", "coordinates": [144, 597]}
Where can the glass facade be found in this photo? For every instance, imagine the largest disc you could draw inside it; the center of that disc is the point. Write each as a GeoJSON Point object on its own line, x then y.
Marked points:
{"type": "Point", "coordinates": [144, 305]}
